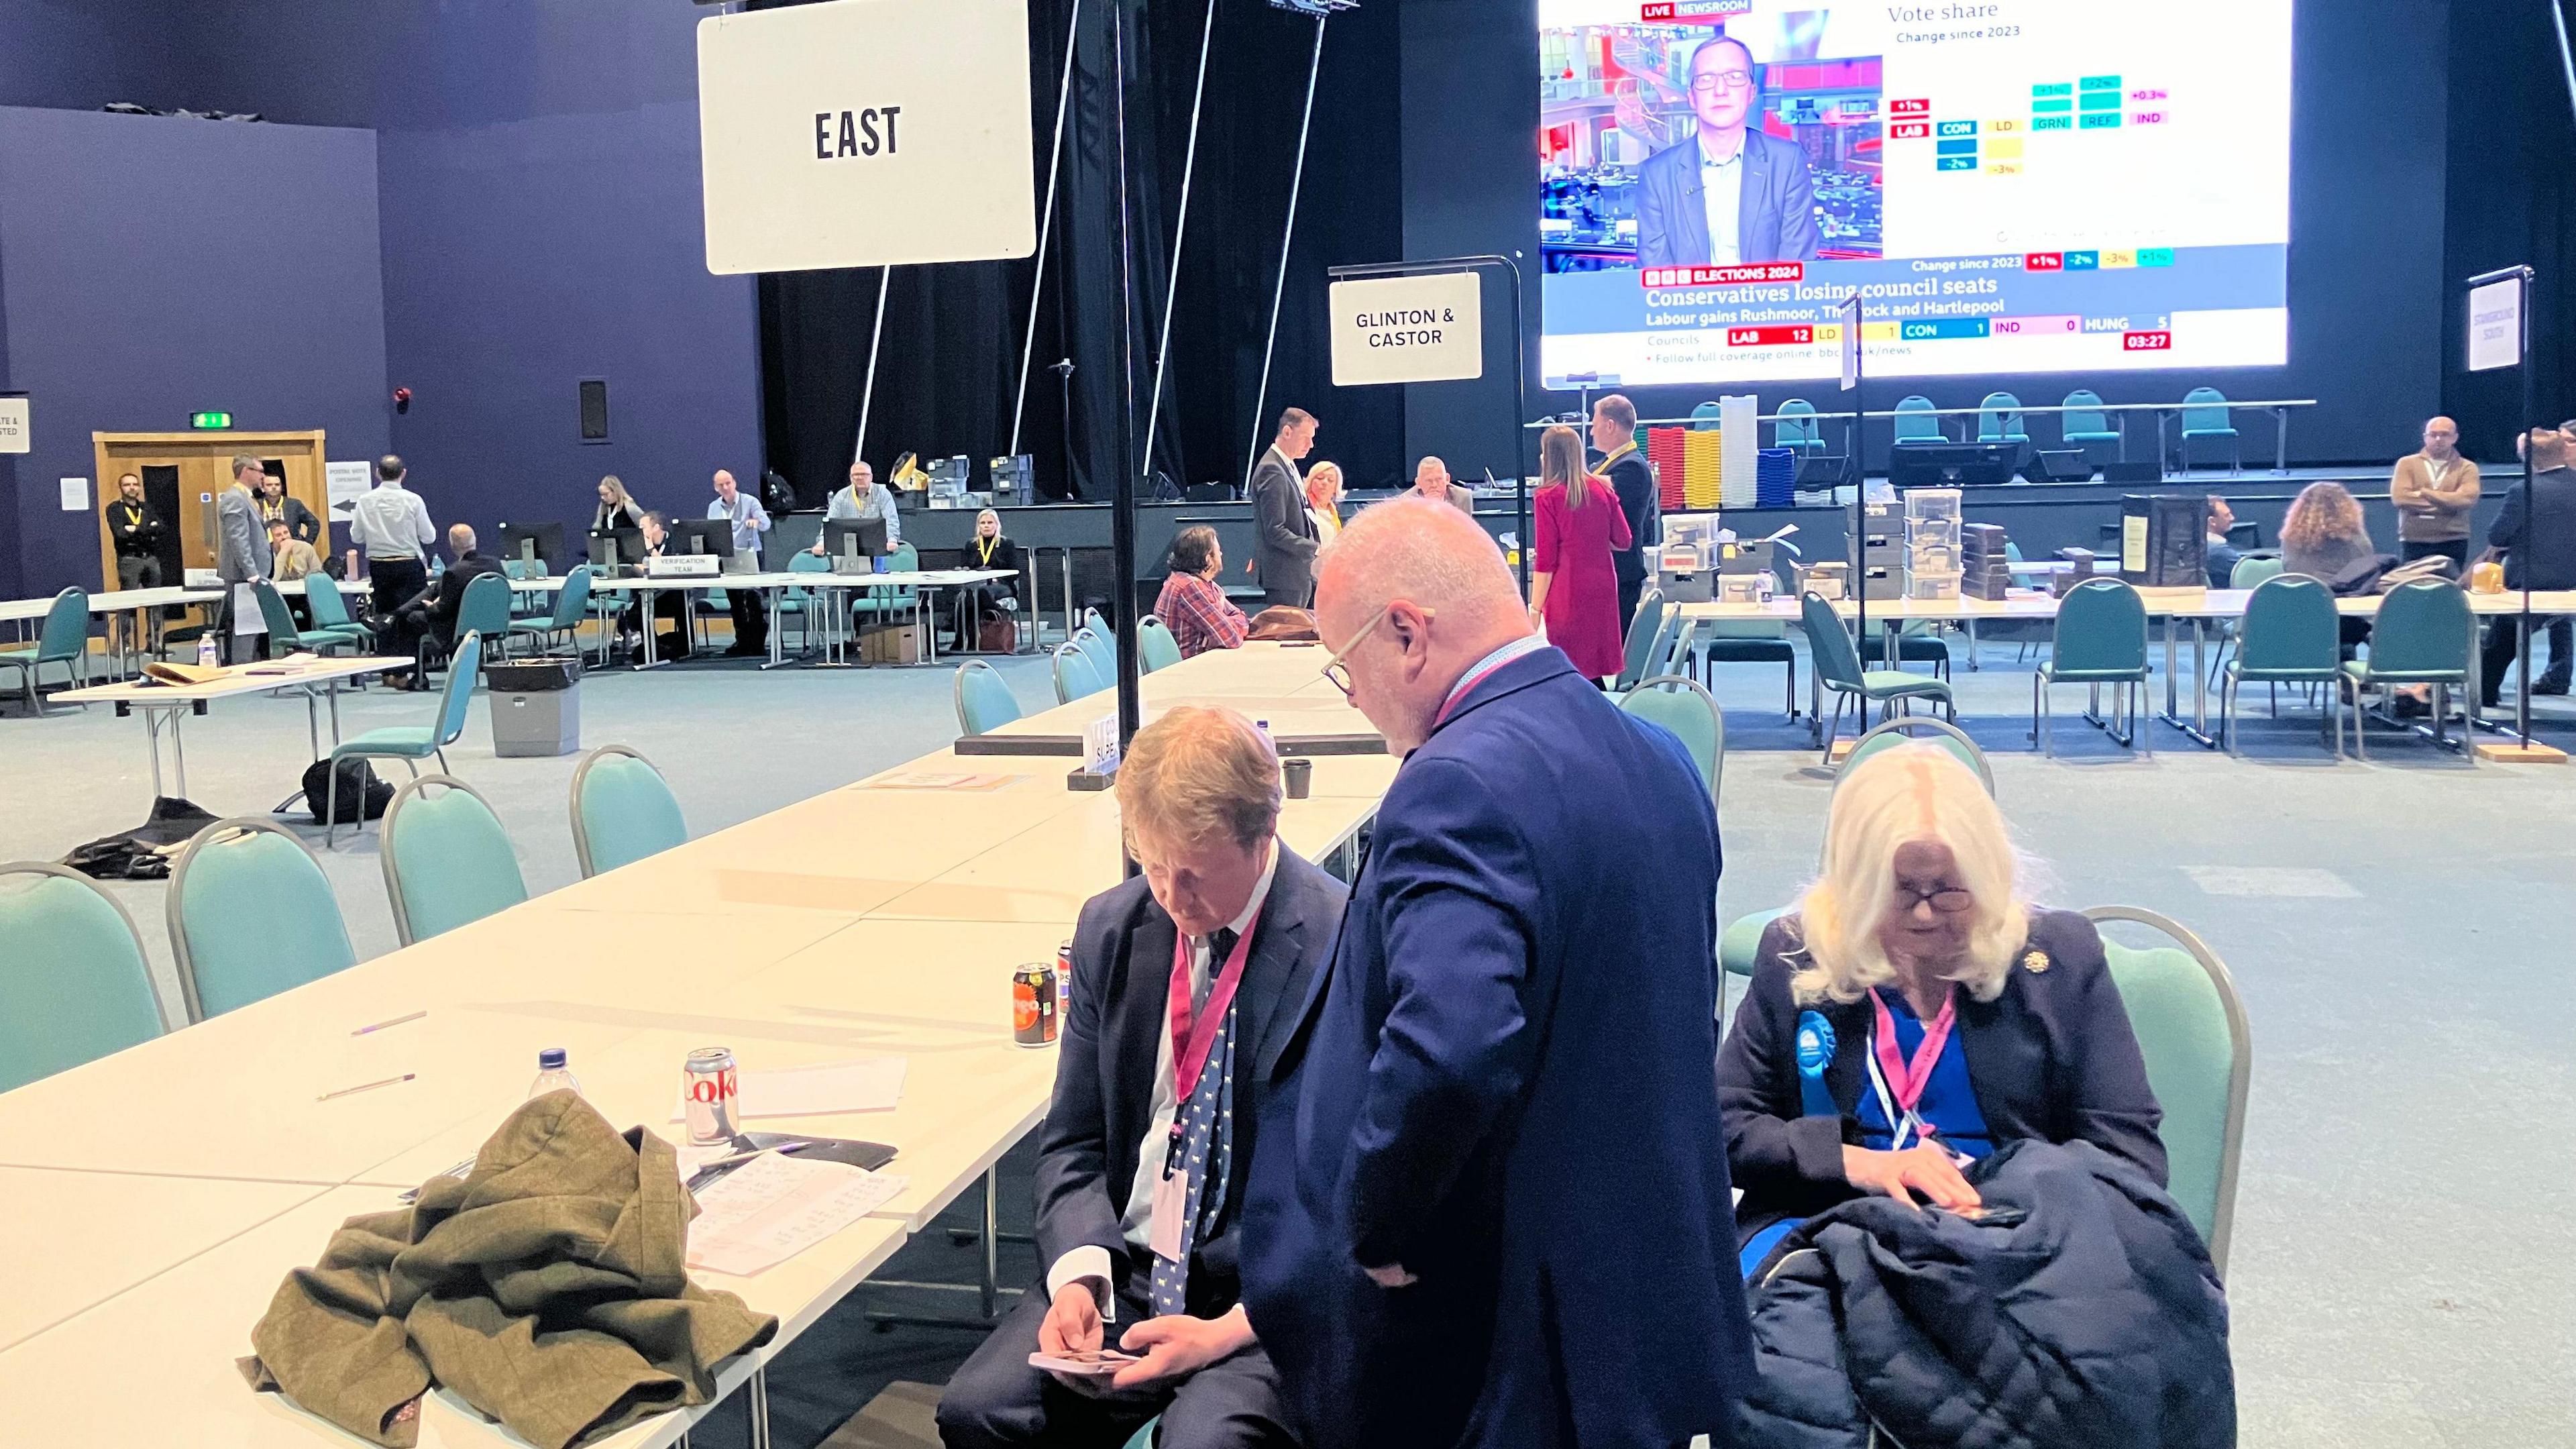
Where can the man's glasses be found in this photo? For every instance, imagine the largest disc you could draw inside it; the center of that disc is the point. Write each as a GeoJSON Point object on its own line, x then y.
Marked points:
{"type": "Point", "coordinates": [1711, 82]}
{"type": "Point", "coordinates": [1948, 900]}
{"type": "Point", "coordinates": [1340, 673]}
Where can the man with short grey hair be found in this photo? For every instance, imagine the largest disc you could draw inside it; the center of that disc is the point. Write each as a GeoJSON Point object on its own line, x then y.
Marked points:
{"type": "Point", "coordinates": [432, 615]}
{"type": "Point", "coordinates": [390, 526]}
{"type": "Point", "coordinates": [1187, 982]}
{"type": "Point", "coordinates": [1431, 480]}
{"type": "Point", "coordinates": [241, 554]}
{"type": "Point", "coordinates": [750, 521]}
{"type": "Point", "coordinates": [2435, 492]}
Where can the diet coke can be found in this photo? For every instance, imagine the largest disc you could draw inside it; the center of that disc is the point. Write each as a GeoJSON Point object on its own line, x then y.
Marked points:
{"type": "Point", "coordinates": [1033, 1005]}
{"type": "Point", "coordinates": [710, 1087]}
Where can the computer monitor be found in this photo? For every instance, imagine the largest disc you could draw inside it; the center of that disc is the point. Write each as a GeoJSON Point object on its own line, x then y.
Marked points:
{"type": "Point", "coordinates": [615, 547]}
{"type": "Point", "coordinates": [1923, 465]}
{"type": "Point", "coordinates": [537, 543]}
{"type": "Point", "coordinates": [701, 535]}
{"type": "Point", "coordinates": [851, 539]}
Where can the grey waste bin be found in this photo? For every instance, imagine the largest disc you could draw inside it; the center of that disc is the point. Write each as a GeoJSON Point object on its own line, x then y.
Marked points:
{"type": "Point", "coordinates": [536, 706]}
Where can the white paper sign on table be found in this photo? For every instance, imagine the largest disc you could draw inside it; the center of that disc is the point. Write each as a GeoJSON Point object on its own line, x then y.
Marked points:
{"type": "Point", "coordinates": [862, 1084]}
{"type": "Point", "coordinates": [772, 1208]}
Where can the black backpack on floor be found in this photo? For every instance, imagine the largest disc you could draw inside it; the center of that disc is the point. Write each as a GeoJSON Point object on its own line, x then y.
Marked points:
{"type": "Point", "coordinates": [361, 795]}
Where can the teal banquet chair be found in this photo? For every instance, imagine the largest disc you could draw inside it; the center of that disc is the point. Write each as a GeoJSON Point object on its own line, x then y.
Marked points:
{"type": "Point", "coordinates": [1941, 733]}
{"type": "Point", "coordinates": [1075, 675]}
{"type": "Point", "coordinates": [1796, 427]}
{"type": "Point", "coordinates": [63, 640]}
{"type": "Point", "coordinates": [2084, 423]}
{"type": "Point", "coordinates": [412, 744]}
{"type": "Point", "coordinates": [1999, 419]}
{"type": "Point", "coordinates": [622, 810]}
{"type": "Point", "coordinates": [251, 915]}
{"type": "Point", "coordinates": [1155, 646]}
{"type": "Point", "coordinates": [2289, 635]}
{"type": "Point", "coordinates": [447, 861]}
{"type": "Point", "coordinates": [1837, 667]}
{"type": "Point", "coordinates": [1916, 422]}
{"type": "Point", "coordinates": [572, 605]}
{"type": "Point", "coordinates": [2101, 639]}
{"type": "Point", "coordinates": [484, 610]}
{"type": "Point", "coordinates": [1678, 703]}
{"type": "Point", "coordinates": [984, 699]}
{"type": "Point", "coordinates": [1099, 648]}
{"type": "Point", "coordinates": [886, 606]}
{"type": "Point", "coordinates": [1645, 631]}
{"type": "Point", "coordinates": [73, 983]}
{"type": "Point", "coordinates": [2199, 1050]}
{"type": "Point", "coordinates": [330, 610]}
{"type": "Point", "coordinates": [1752, 641]}
{"type": "Point", "coordinates": [284, 635]}
{"type": "Point", "coordinates": [800, 604]}
{"type": "Point", "coordinates": [2425, 634]}
{"type": "Point", "coordinates": [2205, 415]}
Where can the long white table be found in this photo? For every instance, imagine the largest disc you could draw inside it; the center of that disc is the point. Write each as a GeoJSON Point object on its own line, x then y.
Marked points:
{"type": "Point", "coordinates": [772, 586]}
{"type": "Point", "coordinates": [877, 918]}
{"type": "Point", "coordinates": [318, 679]}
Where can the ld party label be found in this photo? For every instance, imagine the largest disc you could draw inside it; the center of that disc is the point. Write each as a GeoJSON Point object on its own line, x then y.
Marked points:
{"type": "Point", "coordinates": [1408, 329]}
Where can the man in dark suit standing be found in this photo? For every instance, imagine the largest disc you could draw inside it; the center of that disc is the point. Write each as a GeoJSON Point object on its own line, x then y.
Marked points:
{"type": "Point", "coordinates": [1285, 538]}
{"type": "Point", "coordinates": [1732, 194]}
{"type": "Point", "coordinates": [1614, 432]}
{"type": "Point", "coordinates": [1186, 980]}
{"type": "Point", "coordinates": [1501, 1213]}
{"type": "Point", "coordinates": [2544, 506]}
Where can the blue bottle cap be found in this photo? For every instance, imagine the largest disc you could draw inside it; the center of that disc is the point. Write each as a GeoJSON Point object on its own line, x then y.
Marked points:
{"type": "Point", "coordinates": [551, 1059]}
{"type": "Point", "coordinates": [1815, 1044]}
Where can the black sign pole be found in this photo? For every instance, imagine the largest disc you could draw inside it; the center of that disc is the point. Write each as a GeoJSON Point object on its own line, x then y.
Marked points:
{"type": "Point", "coordinates": [1520, 362]}
{"type": "Point", "coordinates": [2522, 278]}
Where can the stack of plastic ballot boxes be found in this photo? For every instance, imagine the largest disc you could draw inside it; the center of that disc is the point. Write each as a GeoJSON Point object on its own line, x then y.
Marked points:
{"type": "Point", "coordinates": [1985, 572]}
{"type": "Point", "coordinates": [1932, 558]}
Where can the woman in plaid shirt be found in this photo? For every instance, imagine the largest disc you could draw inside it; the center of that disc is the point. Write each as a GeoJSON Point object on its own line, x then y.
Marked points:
{"type": "Point", "coordinates": [1191, 605]}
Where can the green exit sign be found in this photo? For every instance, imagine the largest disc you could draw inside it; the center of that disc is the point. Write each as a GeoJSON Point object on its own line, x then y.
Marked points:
{"type": "Point", "coordinates": [210, 420]}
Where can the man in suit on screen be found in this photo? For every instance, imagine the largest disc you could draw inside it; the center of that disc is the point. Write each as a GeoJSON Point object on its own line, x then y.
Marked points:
{"type": "Point", "coordinates": [1732, 193]}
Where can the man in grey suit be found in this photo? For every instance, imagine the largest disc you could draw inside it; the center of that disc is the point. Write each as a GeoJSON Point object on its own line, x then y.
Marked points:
{"type": "Point", "coordinates": [1284, 536]}
{"type": "Point", "coordinates": [241, 546]}
{"type": "Point", "coordinates": [1731, 194]}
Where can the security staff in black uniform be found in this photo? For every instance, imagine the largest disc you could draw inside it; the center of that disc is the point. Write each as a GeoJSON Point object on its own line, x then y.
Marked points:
{"type": "Point", "coordinates": [137, 532]}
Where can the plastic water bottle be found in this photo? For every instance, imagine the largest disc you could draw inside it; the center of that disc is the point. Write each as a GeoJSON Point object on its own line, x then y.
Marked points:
{"type": "Point", "coordinates": [552, 1075]}
{"type": "Point", "coordinates": [206, 648]}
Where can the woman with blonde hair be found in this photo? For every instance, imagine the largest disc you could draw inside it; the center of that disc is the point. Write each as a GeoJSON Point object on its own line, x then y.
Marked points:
{"type": "Point", "coordinates": [1916, 1012]}
{"type": "Point", "coordinates": [1574, 581]}
{"type": "Point", "coordinates": [617, 508]}
{"type": "Point", "coordinates": [1324, 499]}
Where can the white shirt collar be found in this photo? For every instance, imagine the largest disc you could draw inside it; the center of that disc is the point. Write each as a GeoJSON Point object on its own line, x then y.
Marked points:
{"type": "Point", "coordinates": [1708, 162]}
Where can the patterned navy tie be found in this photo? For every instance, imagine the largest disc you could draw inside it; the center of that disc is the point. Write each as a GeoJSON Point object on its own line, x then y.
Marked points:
{"type": "Point", "coordinates": [1207, 1147]}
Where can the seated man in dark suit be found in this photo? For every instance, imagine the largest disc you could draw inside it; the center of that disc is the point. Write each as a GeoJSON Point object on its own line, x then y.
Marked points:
{"type": "Point", "coordinates": [1186, 981]}
{"type": "Point", "coordinates": [431, 613]}
{"type": "Point", "coordinates": [2542, 505]}
{"type": "Point", "coordinates": [2222, 555]}
{"type": "Point", "coordinates": [1732, 194]}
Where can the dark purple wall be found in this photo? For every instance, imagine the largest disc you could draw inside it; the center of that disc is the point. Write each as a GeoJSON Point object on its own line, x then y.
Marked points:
{"type": "Point", "coordinates": [539, 169]}
{"type": "Point", "coordinates": [152, 267]}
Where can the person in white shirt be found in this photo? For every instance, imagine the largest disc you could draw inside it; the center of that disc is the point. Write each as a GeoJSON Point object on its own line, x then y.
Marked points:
{"type": "Point", "coordinates": [750, 521]}
{"type": "Point", "coordinates": [1141, 1175]}
{"type": "Point", "coordinates": [390, 526]}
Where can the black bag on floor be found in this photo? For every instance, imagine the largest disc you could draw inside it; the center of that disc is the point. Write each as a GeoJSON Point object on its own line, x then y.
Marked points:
{"type": "Point", "coordinates": [361, 795]}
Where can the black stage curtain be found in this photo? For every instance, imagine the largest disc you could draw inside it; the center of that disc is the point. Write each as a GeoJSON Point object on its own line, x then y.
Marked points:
{"type": "Point", "coordinates": [950, 358]}
{"type": "Point", "coordinates": [2511, 201]}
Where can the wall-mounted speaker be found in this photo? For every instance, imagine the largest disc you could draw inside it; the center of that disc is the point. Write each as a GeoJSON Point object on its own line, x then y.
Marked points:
{"type": "Point", "coordinates": [594, 410]}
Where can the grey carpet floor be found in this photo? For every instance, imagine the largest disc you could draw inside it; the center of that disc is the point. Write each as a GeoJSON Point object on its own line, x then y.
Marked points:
{"type": "Point", "coordinates": [2405, 1261]}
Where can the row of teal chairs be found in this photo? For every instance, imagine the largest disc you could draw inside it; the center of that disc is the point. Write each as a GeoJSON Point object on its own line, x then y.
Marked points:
{"type": "Point", "coordinates": [1088, 663]}
{"type": "Point", "coordinates": [2206, 417]}
{"type": "Point", "coordinates": [251, 913]}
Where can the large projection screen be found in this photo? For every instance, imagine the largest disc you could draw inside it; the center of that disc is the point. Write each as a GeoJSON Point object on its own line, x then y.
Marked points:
{"type": "Point", "coordinates": [2015, 186]}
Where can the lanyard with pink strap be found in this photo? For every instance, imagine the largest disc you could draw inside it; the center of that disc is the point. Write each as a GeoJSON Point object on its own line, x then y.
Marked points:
{"type": "Point", "coordinates": [1899, 1082]}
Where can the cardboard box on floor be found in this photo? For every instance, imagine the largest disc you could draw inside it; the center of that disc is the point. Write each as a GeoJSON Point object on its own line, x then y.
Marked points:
{"type": "Point", "coordinates": [891, 644]}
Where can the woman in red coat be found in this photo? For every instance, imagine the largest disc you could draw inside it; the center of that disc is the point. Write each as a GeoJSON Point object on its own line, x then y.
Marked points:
{"type": "Point", "coordinates": [1574, 589]}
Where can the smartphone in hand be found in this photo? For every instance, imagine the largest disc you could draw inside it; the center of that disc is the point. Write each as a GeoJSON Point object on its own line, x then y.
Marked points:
{"type": "Point", "coordinates": [1091, 1363]}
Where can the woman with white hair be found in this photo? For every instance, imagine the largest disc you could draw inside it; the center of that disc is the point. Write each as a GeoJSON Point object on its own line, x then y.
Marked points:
{"type": "Point", "coordinates": [1916, 1013]}
{"type": "Point", "coordinates": [1324, 499]}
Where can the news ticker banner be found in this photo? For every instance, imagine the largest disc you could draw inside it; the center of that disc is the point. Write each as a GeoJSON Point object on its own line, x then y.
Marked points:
{"type": "Point", "coordinates": [866, 133]}
{"type": "Point", "coordinates": [1939, 316]}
